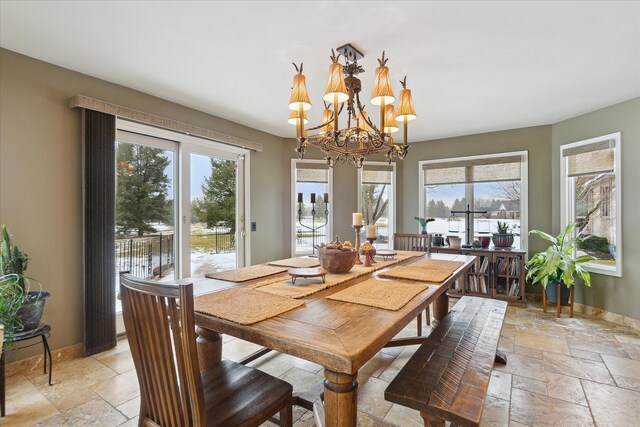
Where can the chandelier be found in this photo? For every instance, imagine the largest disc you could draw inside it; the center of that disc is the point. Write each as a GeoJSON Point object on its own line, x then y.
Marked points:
{"type": "Point", "coordinates": [360, 138]}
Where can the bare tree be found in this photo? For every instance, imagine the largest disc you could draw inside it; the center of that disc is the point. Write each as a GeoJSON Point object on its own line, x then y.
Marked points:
{"type": "Point", "coordinates": [374, 203]}
{"type": "Point", "coordinates": [507, 190]}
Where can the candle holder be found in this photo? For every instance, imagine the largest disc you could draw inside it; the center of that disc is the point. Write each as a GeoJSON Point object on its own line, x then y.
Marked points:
{"type": "Point", "coordinates": [358, 228]}
{"type": "Point", "coordinates": [314, 228]}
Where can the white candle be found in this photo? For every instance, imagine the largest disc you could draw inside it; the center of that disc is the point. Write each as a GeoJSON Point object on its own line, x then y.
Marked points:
{"type": "Point", "coordinates": [371, 231]}
{"type": "Point", "coordinates": [357, 218]}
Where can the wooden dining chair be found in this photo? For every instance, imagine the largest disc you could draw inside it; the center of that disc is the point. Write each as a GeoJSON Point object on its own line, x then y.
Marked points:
{"type": "Point", "coordinates": [420, 243]}
{"type": "Point", "coordinates": [159, 321]}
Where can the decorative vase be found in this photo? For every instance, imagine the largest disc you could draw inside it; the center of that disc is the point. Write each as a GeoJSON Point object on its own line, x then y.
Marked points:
{"type": "Point", "coordinates": [552, 293]}
{"type": "Point", "coordinates": [30, 313]}
{"type": "Point", "coordinates": [454, 242]}
{"type": "Point", "coordinates": [502, 240]}
{"type": "Point", "coordinates": [485, 241]}
{"type": "Point", "coordinates": [424, 229]}
{"type": "Point", "coordinates": [437, 240]}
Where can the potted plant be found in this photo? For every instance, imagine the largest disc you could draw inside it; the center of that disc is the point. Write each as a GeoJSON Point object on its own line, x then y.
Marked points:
{"type": "Point", "coordinates": [423, 223]}
{"type": "Point", "coordinates": [14, 261]}
{"type": "Point", "coordinates": [558, 265]}
{"type": "Point", "coordinates": [503, 238]}
{"type": "Point", "coordinates": [11, 300]}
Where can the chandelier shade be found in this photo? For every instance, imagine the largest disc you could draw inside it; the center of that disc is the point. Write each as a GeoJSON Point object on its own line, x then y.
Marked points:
{"type": "Point", "coordinates": [382, 90]}
{"type": "Point", "coordinates": [294, 117]}
{"type": "Point", "coordinates": [390, 124]}
{"type": "Point", "coordinates": [362, 122]}
{"type": "Point", "coordinates": [327, 117]}
{"type": "Point", "coordinates": [299, 95]}
{"type": "Point", "coordinates": [336, 88]}
{"type": "Point", "coordinates": [406, 111]}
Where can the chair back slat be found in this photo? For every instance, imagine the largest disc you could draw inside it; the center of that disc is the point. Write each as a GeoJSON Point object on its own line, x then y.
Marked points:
{"type": "Point", "coordinates": [412, 242]}
{"type": "Point", "coordinates": [160, 326]}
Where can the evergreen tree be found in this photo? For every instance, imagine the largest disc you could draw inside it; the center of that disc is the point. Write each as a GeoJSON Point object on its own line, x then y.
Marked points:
{"type": "Point", "coordinates": [218, 206]}
{"type": "Point", "coordinates": [141, 193]}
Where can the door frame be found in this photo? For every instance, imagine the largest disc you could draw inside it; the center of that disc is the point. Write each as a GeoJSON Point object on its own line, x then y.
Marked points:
{"type": "Point", "coordinates": [186, 145]}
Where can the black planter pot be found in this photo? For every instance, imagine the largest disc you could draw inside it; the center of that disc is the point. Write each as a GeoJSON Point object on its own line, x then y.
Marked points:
{"type": "Point", "coordinates": [30, 314]}
{"type": "Point", "coordinates": [552, 293]}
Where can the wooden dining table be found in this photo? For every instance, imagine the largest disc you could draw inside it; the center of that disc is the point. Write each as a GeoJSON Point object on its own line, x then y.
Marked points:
{"type": "Point", "coordinates": [339, 336]}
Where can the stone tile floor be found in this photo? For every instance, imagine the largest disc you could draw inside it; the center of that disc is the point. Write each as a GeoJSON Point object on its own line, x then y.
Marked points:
{"type": "Point", "coordinates": [561, 372]}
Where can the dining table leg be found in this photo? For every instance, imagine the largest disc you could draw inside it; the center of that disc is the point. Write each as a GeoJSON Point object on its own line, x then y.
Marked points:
{"type": "Point", "coordinates": [340, 398]}
{"type": "Point", "coordinates": [441, 306]}
{"type": "Point", "coordinates": [209, 345]}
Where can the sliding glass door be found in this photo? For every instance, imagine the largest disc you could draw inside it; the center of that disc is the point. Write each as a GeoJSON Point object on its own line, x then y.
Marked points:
{"type": "Point", "coordinates": [180, 205]}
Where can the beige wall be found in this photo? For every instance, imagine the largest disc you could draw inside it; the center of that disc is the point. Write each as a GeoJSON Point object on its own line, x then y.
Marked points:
{"type": "Point", "coordinates": [616, 294]}
{"type": "Point", "coordinates": [40, 177]}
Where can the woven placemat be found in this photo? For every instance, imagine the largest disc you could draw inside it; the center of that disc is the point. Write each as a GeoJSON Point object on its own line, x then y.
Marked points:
{"type": "Point", "coordinates": [244, 306]}
{"type": "Point", "coordinates": [375, 293]}
{"type": "Point", "coordinates": [246, 273]}
{"type": "Point", "coordinates": [283, 287]}
{"type": "Point", "coordinates": [296, 262]}
{"type": "Point", "coordinates": [415, 273]}
{"type": "Point", "coordinates": [437, 264]}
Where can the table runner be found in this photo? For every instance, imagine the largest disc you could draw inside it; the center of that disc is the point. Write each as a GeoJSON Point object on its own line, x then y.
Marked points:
{"type": "Point", "coordinates": [244, 306]}
{"type": "Point", "coordinates": [247, 273]}
{"type": "Point", "coordinates": [380, 294]}
{"type": "Point", "coordinates": [283, 286]}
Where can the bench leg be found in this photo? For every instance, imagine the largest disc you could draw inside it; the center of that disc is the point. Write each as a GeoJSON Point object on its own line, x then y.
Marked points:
{"type": "Point", "coordinates": [428, 315]}
{"type": "Point", "coordinates": [501, 357]}
{"type": "Point", "coordinates": [431, 421]}
{"type": "Point", "coordinates": [419, 322]}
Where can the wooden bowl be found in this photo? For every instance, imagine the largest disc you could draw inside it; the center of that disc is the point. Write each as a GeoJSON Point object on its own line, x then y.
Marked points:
{"type": "Point", "coordinates": [336, 261]}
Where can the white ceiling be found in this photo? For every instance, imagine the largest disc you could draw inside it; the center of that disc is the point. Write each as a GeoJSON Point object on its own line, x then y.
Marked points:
{"type": "Point", "coordinates": [472, 66]}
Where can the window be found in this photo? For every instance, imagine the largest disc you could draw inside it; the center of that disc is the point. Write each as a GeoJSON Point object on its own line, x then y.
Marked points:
{"type": "Point", "coordinates": [376, 199]}
{"type": "Point", "coordinates": [494, 184]}
{"type": "Point", "coordinates": [311, 205]}
{"type": "Point", "coordinates": [590, 193]}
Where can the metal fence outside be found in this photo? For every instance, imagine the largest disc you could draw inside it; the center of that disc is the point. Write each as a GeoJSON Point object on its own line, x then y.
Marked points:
{"type": "Point", "coordinates": [153, 255]}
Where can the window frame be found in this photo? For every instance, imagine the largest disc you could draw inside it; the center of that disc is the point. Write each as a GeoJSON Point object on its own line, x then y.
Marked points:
{"type": "Point", "coordinates": [392, 196]}
{"type": "Point", "coordinates": [294, 209]}
{"type": "Point", "coordinates": [524, 189]}
{"type": "Point", "coordinates": [567, 196]}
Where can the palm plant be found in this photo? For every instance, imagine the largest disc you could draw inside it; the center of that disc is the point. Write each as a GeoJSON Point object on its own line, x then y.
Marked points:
{"type": "Point", "coordinates": [557, 263]}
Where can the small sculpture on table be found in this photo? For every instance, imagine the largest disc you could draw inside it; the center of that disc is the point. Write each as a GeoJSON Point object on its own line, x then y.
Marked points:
{"type": "Point", "coordinates": [369, 252]}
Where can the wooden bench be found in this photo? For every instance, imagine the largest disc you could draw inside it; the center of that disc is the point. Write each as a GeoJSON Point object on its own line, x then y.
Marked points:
{"type": "Point", "coordinates": [448, 376]}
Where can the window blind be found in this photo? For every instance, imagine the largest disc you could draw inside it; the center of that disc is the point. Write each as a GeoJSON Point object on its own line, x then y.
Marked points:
{"type": "Point", "coordinates": [377, 174]}
{"type": "Point", "coordinates": [590, 159]}
{"type": "Point", "coordinates": [476, 170]}
{"type": "Point", "coordinates": [312, 172]}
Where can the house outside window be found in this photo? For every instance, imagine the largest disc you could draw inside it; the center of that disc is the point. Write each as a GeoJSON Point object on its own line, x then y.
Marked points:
{"type": "Point", "coordinates": [590, 193]}
{"type": "Point", "coordinates": [495, 184]}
